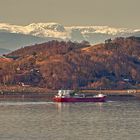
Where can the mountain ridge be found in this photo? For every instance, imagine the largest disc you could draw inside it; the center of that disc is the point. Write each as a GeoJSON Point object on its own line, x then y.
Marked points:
{"type": "Point", "coordinates": [13, 37]}
{"type": "Point", "coordinates": [57, 30]}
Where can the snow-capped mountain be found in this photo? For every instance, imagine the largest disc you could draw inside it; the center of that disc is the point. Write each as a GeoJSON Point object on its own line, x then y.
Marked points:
{"type": "Point", "coordinates": [48, 31]}
{"type": "Point", "coordinates": [37, 29]}
{"type": "Point", "coordinates": [57, 30]}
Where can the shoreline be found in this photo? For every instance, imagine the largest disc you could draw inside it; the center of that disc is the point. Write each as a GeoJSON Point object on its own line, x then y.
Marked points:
{"type": "Point", "coordinates": [43, 92]}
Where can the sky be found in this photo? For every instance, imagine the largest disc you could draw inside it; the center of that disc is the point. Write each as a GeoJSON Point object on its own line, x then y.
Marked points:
{"type": "Point", "coordinates": [115, 13]}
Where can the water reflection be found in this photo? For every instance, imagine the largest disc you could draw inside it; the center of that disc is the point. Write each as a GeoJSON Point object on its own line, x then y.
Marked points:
{"type": "Point", "coordinates": [70, 121]}
{"type": "Point", "coordinates": [61, 106]}
{"type": "Point", "coordinates": [68, 106]}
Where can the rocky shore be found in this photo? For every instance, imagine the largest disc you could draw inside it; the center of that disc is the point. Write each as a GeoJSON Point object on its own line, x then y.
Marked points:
{"type": "Point", "coordinates": [24, 89]}
{"type": "Point", "coordinates": [36, 90]}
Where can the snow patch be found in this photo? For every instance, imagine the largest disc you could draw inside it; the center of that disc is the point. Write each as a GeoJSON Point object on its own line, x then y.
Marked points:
{"type": "Point", "coordinates": [57, 30]}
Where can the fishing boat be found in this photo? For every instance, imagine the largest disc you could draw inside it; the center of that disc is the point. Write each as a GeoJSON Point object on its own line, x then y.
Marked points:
{"type": "Point", "coordinates": [72, 96]}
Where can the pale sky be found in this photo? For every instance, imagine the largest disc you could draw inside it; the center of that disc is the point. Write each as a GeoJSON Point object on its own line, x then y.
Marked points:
{"type": "Point", "coordinates": [116, 13]}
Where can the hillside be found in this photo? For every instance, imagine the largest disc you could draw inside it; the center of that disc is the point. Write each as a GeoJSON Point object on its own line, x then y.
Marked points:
{"type": "Point", "coordinates": [54, 65]}
{"type": "Point", "coordinates": [5, 60]}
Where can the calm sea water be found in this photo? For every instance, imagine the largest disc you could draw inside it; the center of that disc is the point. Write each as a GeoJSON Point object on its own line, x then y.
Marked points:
{"type": "Point", "coordinates": [30, 120]}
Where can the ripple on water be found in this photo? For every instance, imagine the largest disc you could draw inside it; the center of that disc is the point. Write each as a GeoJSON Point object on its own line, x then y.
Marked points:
{"type": "Point", "coordinates": [115, 120]}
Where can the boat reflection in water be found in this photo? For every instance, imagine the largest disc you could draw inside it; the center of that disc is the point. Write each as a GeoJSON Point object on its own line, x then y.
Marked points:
{"type": "Point", "coordinates": [72, 96]}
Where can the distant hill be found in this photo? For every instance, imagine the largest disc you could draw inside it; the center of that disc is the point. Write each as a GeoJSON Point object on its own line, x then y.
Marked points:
{"type": "Point", "coordinates": [13, 41]}
{"type": "Point", "coordinates": [114, 64]}
{"type": "Point", "coordinates": [4, 51]}
{"type": "Point", "coordinates": [14, 36]}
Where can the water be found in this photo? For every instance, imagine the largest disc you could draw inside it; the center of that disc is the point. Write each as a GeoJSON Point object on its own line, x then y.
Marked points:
{"type": "Point", "coordinates": [29, 120]}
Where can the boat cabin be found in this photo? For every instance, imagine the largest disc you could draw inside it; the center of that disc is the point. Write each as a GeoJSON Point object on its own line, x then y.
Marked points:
{"type": "Point", "coordinates": [69, 93]}
{"type": "Point", "coordinates": [65, 93]}
{"type": "Point", "coordinates": [73, 94]}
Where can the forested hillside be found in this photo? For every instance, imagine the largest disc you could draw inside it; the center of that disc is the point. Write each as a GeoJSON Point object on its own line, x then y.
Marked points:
{"type": "Point", "coordinates": [67, 65]}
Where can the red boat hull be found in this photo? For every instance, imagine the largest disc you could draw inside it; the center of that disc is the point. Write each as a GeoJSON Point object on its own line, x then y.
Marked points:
{"type": "Point", "coordinates": [95, 99]}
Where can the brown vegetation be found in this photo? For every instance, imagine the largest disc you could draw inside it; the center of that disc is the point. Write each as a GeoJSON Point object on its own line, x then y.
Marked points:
{"type": "Point", "coordinates": [67, 65]}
